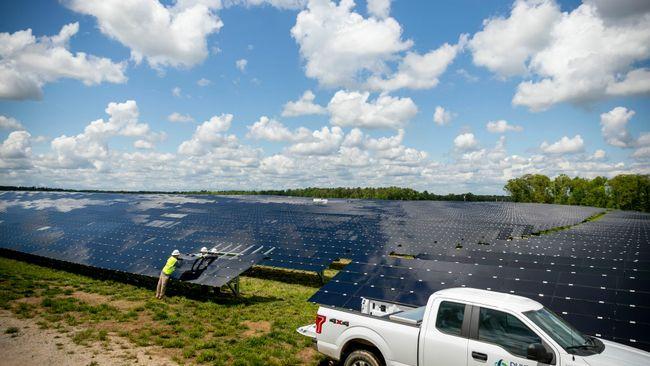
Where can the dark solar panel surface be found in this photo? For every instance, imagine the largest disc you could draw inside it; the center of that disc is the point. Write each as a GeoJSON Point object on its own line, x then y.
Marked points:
{"type": "Point", "coordinates": [595, 274]}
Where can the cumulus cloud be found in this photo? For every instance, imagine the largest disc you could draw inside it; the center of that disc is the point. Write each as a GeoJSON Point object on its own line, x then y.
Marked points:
{"type": "Point", "coordinates": [416, 71]}
{"type": "Point", "coordinates": [352, 108]}
{"type": "Point", "coordinates": [179, 118]}
{"type": "Point", "coordinates": [208, 135]}
{"type": "Point", "coordinates": [614, 127]}
{"type": "Point", "coordinates": [379, 8]}
{"type": "Point", "coordinates": [599, 154]}
{"type": "Point", "coordinates": [576, 56]}
{"type": "Point", "coordinates": [565, 145]}
{"type": "Point", "coordinates": [90, 148]}
{"type": "Point", "coordinates": [27, 63]}
{"type": "Point", "coordinates": [303, 106]}
{"type": "Point", "coordinates": [241, 64]}
{"type": "Point", "coordinates": [322, 142]}
{"type": "Point", "coordinates": [173, 36]}
{"type": "Point", "coordinates": [442, 117]}
{"type": "Point", "coordinates": [272, 130]}
{"type": "Point", "coordinates": [10, 123]}
{"type": "Point", "coordinates": [466, 141]}
{"type": "Point", "coordinates": [502, 126]}
{"type": "Point", "coordinates": [280, 4]}
{"type": "Point", "coordinates": [177, 92]}
{"type": "Point", "coordinates": [15, 151]}
{"type": "Point", "coordinates": [338, 44]}
{"type": "Point", "coordinates": [505, 45]}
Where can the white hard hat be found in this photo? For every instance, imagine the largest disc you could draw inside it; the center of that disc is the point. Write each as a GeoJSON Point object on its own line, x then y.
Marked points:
{"type": "Point", "coordinates": [204, 250]}
{"type": "Point", "coordinates": [213, 250]}
{"type": "Point", "coordinates": [176, 252]}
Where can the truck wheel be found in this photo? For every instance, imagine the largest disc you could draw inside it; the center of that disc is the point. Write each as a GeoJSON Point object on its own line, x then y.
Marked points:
{"type": "Point", "coordinates": [362, 358]}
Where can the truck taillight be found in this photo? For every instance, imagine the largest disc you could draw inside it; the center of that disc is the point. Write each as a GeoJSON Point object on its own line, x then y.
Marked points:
{"type": "Point", "coordinates": [320, 320]}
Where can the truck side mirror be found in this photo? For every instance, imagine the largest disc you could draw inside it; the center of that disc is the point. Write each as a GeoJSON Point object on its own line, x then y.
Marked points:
{"type": "Point", "coordinates": [537, 352]}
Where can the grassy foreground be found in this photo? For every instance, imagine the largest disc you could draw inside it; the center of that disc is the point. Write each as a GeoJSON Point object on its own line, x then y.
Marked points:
{"type": "Point", "coordinates": [256, 329]}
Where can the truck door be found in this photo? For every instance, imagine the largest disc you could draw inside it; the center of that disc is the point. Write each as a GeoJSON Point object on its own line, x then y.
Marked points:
{"type": "Point", "coordinates": [445, 337]}
{"type": "Point", "coordinates": [498, 338]}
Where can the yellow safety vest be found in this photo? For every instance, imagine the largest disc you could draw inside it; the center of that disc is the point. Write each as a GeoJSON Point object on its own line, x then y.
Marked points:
{"type": "Point", "coordinates": [170, 266]}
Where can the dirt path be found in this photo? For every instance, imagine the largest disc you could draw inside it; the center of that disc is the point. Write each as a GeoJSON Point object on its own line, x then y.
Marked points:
{"type": "Point", "coordinates": [31, 345]}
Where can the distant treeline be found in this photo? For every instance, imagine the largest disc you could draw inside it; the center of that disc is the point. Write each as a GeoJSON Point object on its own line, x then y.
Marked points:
{"type": "Point", "coordinates": [625, 192]}
{"type": "Point", "coordinates": [382, 193]}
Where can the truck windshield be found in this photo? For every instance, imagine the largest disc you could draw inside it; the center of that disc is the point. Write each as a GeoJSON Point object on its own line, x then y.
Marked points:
{"type": "Point", "coordinates": [562, 332]}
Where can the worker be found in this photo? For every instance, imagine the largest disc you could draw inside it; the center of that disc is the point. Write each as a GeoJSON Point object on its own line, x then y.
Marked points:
{"type": "Point", "coordinates": [199, 259]}
{"type": "Point", "coordinates": [167, 271]}
{"type": "Point", "coordinates": [214, 253]}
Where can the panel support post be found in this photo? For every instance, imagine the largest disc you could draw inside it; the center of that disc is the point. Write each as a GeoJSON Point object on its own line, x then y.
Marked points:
{"type": "Point", "coordinates": [233, 285]}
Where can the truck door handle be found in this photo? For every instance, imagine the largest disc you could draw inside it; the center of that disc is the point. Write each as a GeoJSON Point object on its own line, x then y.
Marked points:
{"type": "Point", "coordinates": [479, 356]}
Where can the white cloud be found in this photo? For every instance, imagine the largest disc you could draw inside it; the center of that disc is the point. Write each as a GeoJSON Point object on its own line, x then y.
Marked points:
{"type": "Point", "coordinates": [416, 71]}
{"type": "Point", "coordinates": [176, 91]}
{"type": "Point", "coordinates": [10, 123]}
{"type": "Point", "coordinates": [339, 44]}
{"type": "Point", "coordinates": [466, 141]}
{"type": "Point", "coordinates": [352, 108]}
{"type": "Point", "coordinates": [203, 82]}
{"type": "Point", "coordinates": [142, 144]}
{"type": "Point", "coordinates": [614, 127]}
{"type": "Point", "coordinates": [16, 146]}
{"type": "Point", "coordinates": [323, 142]}
{"type": "Point", "coordinates": [379, 8]}
{"type": "Point", "coordinates": [442, 116]}
{"type": "Point", "coordinates": [280, 4]}
{"type": "Point", "coordinates": [505, 45]}
{"type": "Point", "coordinates": [90, 148]}
{"type": "Point", "coordinates": [599, 154]}
{"type": "Point", "coordinates": [502, 126]}
{"type": "Point", "coordinates": [277, 164]}
{"type": "Point", "coordinates": [576, 56]}
{"type": "Point", "coordinates": [241, 64]}
{"type": "Point", "coordinates": [163, 35]}
{"type": "Point", "coordinates": [303, 106]}
{"type": "Point", "coordinates": [27, 63]}
{"type": "Point", "coordinates": [565, 145]}
{"type": "Point", "coordinates": [635, 82]}
{"type": "Point", "coordinates": [179, 118]}
{"type": "Point", "coordinates": [272, 130]}
{"type": "Point", "coordinates": [209, 135]}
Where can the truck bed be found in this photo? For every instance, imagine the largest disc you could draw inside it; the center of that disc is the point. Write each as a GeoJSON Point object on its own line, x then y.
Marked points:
{"type": "Point", "coordinates": [412, 317]}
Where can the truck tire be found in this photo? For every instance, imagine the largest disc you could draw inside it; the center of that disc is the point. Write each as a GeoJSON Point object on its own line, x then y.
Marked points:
{"type": "Point", "coordinates": [362, 358]}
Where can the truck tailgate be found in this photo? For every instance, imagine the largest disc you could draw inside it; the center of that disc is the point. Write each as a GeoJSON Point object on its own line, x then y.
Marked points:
{"type": "Point", "coordinates": [397, 342]}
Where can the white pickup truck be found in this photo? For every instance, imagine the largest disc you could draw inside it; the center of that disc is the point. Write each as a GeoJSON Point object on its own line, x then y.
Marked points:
{"type": "Point", "coordinates": [462, 326]}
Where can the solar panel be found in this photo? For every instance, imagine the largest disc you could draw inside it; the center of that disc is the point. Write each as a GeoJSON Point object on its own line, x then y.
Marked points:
{"type": "Point", "coordinates": [596, 273]}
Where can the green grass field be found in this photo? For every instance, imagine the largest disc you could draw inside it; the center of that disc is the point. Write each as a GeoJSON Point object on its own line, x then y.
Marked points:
{"type": "Point", "coordinates": [259, 328]}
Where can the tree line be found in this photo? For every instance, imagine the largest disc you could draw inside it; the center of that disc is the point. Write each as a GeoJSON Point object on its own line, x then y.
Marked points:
{"type": "Point", "coordinates": [625, 192]}
{"type": "Point", "coordinates": [379, 193]}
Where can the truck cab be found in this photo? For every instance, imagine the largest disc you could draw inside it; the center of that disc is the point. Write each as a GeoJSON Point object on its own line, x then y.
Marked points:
{"type": "Point", "coordinates": [464, 326]}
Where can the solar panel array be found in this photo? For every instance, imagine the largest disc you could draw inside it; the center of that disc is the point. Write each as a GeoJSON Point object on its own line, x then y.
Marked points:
{"type": "Point", "coordinates": [595, 274]}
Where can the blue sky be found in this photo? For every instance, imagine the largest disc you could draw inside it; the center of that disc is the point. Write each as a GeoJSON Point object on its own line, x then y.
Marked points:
{"type": "Point", "coordinates": [569, 81]}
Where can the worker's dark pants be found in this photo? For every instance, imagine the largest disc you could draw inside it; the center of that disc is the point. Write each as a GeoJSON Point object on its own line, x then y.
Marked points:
{"type": "Point", "coordinates": [162, 284]}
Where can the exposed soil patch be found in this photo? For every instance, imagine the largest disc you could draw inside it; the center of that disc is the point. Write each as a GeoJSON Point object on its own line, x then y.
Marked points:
{"type": "Point", "coordinates": [97, 299]}
{"type": "Point", "coordinates": [256, 328]}
{"type": "Point", "coordinates": [31, 345]}
{"type": "Point", "coordinates": [29, 300]}
{"type": "Point", "coordinates": [307, 356]}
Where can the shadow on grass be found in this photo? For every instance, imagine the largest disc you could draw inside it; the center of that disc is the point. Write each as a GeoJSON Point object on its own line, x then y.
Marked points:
{"type": "Point", "coordinates": [174, 287]}
{"type": "Point", "coordinates": [304, 278]}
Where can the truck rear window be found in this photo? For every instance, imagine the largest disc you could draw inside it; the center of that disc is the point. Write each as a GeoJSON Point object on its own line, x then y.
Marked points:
{"type": "Point", "coordinates": [450, 317]}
